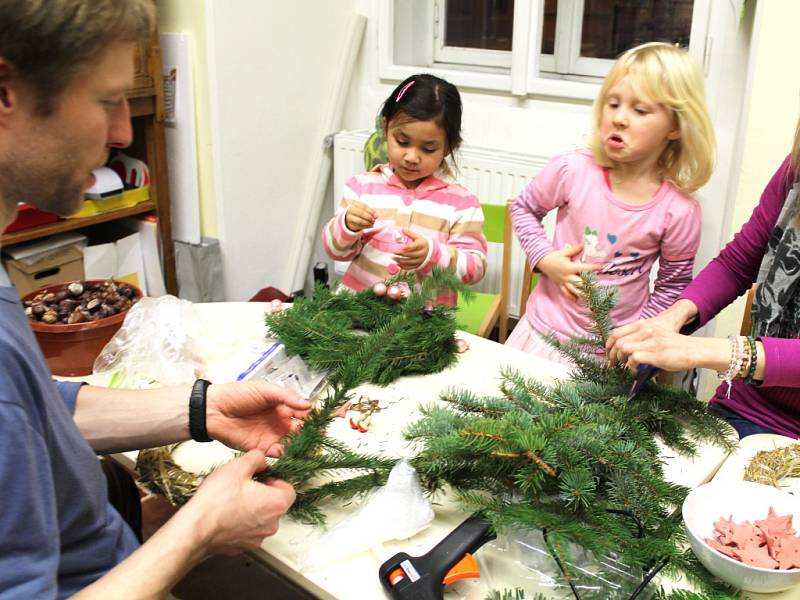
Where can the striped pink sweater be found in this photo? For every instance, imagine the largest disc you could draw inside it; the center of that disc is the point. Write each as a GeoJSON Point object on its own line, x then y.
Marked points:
{"type": "Point", "coordinates": [445, 213]}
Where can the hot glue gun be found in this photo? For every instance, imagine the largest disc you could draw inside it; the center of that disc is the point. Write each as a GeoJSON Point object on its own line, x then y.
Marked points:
{"type": "Point", "coordinates": [424, 577]}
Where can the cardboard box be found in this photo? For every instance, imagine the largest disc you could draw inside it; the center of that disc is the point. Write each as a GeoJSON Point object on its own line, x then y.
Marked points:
{"type": "Point", "coordinates": [64, 264]}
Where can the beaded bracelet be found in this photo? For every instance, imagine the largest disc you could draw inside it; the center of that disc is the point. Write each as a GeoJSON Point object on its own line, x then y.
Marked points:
{"type": "Point", "coordinates": [748, 378]}
{"type": "Point", "coordinates": [748, 359]}
{"type": "Point", "coordinates": [737, 358]}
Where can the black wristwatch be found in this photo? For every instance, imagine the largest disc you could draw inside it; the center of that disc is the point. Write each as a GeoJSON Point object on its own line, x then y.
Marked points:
{"type": "Point", "coordinates": [197, 411]}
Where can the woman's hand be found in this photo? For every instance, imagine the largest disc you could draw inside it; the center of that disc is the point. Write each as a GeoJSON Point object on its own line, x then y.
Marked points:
{"type": "Point", "coordinates": [253, 415]}
{"type": "Point", "coordinates": [414, 254]}
{"type": "Point", "coordinates": [654, 343]}
{"type": "Point", "coordinates": [359, 216]}
{"type": "Point", "coordinates": [671, 320]}
{"type": "Point", "coordinates": [559, 267]}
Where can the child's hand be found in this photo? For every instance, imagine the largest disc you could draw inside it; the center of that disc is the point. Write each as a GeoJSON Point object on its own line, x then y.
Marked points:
{"type": "Point", "coordinates": [359, 216]}
{"type": "Point", "coordinates": [559, 267]}
{"type": "Point", "coordinates": [414, 254]}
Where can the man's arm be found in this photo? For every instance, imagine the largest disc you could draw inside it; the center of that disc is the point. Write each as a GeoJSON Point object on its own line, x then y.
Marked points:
{"type": "Point", "coordinates": [119, 420]}
{"type": "Point", "coordinates": [245, 415]}
{"type": "Point", "coordinates": [230, 513]}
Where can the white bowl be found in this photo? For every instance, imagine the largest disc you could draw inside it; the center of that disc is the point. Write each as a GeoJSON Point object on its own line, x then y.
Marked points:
{"type": "Point", "coordinates": [744, 501]}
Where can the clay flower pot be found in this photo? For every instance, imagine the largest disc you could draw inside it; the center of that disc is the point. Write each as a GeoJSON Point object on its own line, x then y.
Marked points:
{"type": "Point", "coordinates": [70, 349]}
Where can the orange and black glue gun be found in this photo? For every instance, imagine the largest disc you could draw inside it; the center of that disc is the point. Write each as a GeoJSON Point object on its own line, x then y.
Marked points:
{"type": "Point", "coordinates": [424, 577]}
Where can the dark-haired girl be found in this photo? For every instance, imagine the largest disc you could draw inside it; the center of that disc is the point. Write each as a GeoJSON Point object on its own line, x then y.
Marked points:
{"type": "Point", "coordinates": [409, 214]}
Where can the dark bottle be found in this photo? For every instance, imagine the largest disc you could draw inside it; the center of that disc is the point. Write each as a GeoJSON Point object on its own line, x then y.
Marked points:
{"type": "Point", "coordinates": [321, 273]}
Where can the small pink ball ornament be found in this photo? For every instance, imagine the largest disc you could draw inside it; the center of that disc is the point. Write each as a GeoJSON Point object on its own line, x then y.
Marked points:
{"type": "Point", "coordinates": [394, 292]}
{"type": "Point", "coordinates": [275, 306]}
{"type": "Point", "coordinates": [379, 289]}
{"type": "Point", "coordinates": [461, 345]}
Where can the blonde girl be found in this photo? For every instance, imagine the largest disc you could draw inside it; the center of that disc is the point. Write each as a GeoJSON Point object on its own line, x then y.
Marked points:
{"type": "Point", "coordinates": [624, 203]}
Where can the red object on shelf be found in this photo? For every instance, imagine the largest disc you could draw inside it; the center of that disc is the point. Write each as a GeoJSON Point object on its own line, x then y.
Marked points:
{"type": "Point", "coordinates": [29, 216]}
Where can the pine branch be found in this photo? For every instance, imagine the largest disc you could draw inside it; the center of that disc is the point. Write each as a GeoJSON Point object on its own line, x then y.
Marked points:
{"type": "Point", "coordinates": [569, 457]}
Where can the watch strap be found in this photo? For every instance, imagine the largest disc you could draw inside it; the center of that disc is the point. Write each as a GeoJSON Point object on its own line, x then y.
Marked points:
{"type": "Point", "coordinates": [197, 411]}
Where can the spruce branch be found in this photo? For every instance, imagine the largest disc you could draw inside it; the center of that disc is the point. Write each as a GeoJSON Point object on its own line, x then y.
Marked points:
{"type": "Point", "coordinates": [569, 457]}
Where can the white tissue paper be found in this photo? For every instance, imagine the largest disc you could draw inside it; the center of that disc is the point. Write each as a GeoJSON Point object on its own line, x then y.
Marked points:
{"type": "Point", "coordinates": [398, 510]}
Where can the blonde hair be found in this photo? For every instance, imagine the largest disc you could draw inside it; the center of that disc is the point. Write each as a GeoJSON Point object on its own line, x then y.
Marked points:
{"type": "Point", "coordinates": [670, 76]}
{"type": "Point", "coordinates": [47, 42]}
{"type": "Point", "coordinates": [795, 163]}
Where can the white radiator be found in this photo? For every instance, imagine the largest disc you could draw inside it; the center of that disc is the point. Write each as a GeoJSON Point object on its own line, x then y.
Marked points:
{"type": "Point", "coordinates": [494, 176]}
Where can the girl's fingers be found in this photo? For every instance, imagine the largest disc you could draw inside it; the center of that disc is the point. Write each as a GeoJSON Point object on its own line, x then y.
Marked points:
{"type": "Point", "coordinates": [569, 292]}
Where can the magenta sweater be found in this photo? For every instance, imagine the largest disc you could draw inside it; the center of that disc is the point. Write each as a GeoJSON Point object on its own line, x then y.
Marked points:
{"type": "Point", "coordinates": [775, 403]}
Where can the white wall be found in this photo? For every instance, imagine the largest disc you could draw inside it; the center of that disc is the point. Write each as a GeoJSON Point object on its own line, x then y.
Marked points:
{"type": "Point", "coordinates": [271, 66]}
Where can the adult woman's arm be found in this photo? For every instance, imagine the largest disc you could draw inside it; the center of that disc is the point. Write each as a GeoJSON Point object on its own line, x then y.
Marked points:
{"type": "Point", "coordinates": [656, 343]}
{"type": "Point", "coordinates": [782, 360]}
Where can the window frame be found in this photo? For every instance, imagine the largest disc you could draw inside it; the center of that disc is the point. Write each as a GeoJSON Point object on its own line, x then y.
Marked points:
{"type": "Point", "coordinates": [475, 57]}
{"type": "Point", "coordinates": [529, 74]}
{"type": "Point", "coordinates": [598, 67]}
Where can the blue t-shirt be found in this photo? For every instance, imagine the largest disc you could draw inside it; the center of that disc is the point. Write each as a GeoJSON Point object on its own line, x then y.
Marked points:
{"type": "Point", "coordinates": [58, 533]}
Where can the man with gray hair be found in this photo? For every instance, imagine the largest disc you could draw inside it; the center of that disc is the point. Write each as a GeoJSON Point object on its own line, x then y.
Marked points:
{"type": "Point", "coordinates": [65, 67]}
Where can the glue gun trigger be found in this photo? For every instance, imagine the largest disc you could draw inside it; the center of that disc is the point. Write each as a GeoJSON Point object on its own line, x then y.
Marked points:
{"type": "Point", "coordinates": [466, 568]}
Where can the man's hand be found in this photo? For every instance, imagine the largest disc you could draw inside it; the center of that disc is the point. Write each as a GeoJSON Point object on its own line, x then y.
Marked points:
{"type": "Point", "coordinates": [235, 513]}
{"type": "Point", "coordinates": [253, 415]}
{"type": "Point", "coordinates": [412, 255]}
{"type": "Point", "coordinates": [359, 216]}
{"type": "Point", "coordinates": [559, 267]}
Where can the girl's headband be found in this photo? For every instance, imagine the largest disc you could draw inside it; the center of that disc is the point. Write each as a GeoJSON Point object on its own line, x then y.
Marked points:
{"type": "Point", "coordinates": [403, 91]}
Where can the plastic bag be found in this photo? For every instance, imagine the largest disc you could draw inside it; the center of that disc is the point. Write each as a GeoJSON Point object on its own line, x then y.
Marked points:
{"type": "Point", "coordinates": [593, 577]}
{"type": "Point", "coordinates": [292, 373]}
{"type": "Point", "coordinates": [159, 341]}
{"type": "Point", "coordinates": [398, 510]}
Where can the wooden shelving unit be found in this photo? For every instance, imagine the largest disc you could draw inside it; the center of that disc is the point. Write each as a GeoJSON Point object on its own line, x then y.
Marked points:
{"type": "Point", "coordinates": [147, 115]}
{"type": "Point", "coordinates": [35, 233]}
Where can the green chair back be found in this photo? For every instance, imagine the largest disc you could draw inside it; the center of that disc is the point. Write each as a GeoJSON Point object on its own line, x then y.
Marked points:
{"type": "Point", "coordinates": [494, 222]}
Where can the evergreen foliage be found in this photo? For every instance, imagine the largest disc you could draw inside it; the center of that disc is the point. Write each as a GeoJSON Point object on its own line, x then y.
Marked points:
{"type": "Point", "coordinates": [568, 457]}
{"type": "Point", "coordinates": [357, 337]}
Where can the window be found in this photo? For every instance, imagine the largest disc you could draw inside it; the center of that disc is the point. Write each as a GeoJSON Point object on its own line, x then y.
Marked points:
{"type": "Point", "coordinates": [474, 32]}
{"type": "Point", "coordinates": [515, 45]}
{"type": "Point", "coordinates": [583, 37]}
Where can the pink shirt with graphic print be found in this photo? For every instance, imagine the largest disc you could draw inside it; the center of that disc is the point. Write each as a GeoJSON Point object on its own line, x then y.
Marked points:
{"type": "Point", "coordinates": [625, 239]}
